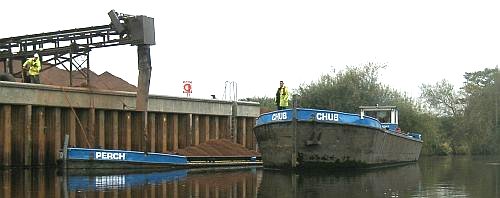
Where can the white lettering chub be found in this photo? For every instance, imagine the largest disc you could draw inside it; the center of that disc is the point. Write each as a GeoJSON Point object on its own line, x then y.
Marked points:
{"type": "Point", "coordinates": [327, 117]}
{"type": "Point", "coordinates": [279, 116]}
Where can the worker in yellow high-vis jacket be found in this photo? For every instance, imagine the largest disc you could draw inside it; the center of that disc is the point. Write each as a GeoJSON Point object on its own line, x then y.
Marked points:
{"type": "Point", "coordinates": [282, 96]}
{"type": "Point", "coordinates": [33, 66]}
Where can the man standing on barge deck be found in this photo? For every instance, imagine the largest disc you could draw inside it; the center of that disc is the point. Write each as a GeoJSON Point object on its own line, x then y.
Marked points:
{"type": "Point", "coordinates": [282, 97]}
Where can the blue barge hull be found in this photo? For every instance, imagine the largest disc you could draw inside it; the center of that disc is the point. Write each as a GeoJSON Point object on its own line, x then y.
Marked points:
{"type": "Point", "coordinates": [104, 158]}
{"type": "Point", "coordinates": [84, 158]}
{"type": "Point", "coordinates": [309, 138]}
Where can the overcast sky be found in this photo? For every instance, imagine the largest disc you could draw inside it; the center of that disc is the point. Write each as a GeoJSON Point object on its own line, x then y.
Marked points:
{"type": "Point", "coordinates": [258, 43]}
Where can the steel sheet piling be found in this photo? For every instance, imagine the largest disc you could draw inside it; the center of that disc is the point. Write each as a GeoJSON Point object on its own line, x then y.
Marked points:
{"type": "Point", "coordinates": [34, 120]}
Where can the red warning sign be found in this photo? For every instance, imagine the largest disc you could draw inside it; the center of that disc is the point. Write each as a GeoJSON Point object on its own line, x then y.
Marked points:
{"type": "Point", "coordinates": [188, 87]}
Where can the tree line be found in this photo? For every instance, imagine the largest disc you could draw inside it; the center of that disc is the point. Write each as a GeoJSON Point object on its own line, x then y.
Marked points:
{"type": "Point", "coordinates": [451, 120]}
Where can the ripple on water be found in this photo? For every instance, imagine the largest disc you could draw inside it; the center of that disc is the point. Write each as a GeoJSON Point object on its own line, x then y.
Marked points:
{"type": "Point", "coordinates": [493, 163]}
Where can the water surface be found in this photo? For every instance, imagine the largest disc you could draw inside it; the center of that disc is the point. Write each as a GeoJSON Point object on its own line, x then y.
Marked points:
{"type": "Point", "coordinates": [463, 176]}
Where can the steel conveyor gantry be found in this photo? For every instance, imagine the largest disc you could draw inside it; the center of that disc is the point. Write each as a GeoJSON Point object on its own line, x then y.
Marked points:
{"type": "Point", "coordinates": [70, 48]}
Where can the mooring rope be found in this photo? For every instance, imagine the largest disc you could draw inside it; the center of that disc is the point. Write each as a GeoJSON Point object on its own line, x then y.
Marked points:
{"type": "Point", "coordinates": [76, 116]}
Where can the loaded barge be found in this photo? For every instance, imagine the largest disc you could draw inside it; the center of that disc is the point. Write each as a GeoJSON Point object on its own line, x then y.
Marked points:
{"type": "Point", "coordinates": [312, 138]}
{"type": "Point", "coordinates": [91, 159]}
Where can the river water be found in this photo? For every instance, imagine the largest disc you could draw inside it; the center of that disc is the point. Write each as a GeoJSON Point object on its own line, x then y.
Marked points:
{"type": "Point", "coordinates": [462, 176]}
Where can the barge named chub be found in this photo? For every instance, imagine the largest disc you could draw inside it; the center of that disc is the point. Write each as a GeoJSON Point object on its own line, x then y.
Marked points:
{"type": "Point", "coordinates": [312, 138]}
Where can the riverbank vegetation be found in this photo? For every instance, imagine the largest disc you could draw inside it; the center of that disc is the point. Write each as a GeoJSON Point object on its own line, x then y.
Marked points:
{"type": "Point", "coordinates": [462, 120]}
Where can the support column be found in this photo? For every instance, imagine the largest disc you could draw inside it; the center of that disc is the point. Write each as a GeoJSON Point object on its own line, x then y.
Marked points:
{"type": "Point", "coordinates": [53, 134]}
{"type": "Point", "coordinates": [101, 137]}
{"type": "Point", "coordinates": [18, 138]}
{"type": "Point", "coordinates": [6, 133]}
{"type": "Point", "coordinates": [243, 131]}
{"type": "Point", "coordinates": [234, 122]}
{"type": "Point", "coordinates": [144, 66]}
{"type": "Point", "coordinates": [91, 128]}
{"type": "Point", "coordinates": [204, 129]}
{"type": "Point", "coordinates": [234, 129]}
{"type": "Point", "coordinates": [250, 135]}
{"type": "Point", "coordinates": [127, 130]}
{"type": "Point", "coordinates": [72, 128]}
{"type": "Point", "coordinates": [39, 136]}
{"type": "Point", "coordinates": [82, 133]}
{"type": "Point", "coordinates": [137, 139]}
{"type": "Point", "coordinates": [212, 127]}
{"type": "Point", "coordinates": [173, 133]}
{"type": "Point", "coordinates": [163, 133]}
{"type": "Point", "coordinates": [217, 132]}
{"type": "Point", "coordinates": [27, 135]}
{"type": "Point", "coordinates": [190, 131]}
{"type": "Point", "coordinates": [115, 130]}
{"type": "Point", "coordinates": [57, 134]}
{"type": "Point", "coordinates": [196, 129]}
{"type": "Point", "coordinates": [152, 132]}
{"type": "Point", "coordinates": [9, 66]}
{"type": "Point", "coordinates": [225, 127]}
{"type": "Point", "coordinates": [183, 131]}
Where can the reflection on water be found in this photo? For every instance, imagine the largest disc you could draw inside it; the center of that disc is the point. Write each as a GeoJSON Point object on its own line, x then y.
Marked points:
{"type": "Point", "coordinates": [105, 182]}
{"type": "Point", "coordinates": [430, 177]}
{"type": "Point", "coordinates": [222, 182]}
{"type": "Point", "coordinates": [463, 176]}
{"type": "Point", "coordinates": [398, 181]}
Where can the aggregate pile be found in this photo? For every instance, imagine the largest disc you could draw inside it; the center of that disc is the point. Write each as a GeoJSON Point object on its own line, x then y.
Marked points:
{"type": "Point", "coordinates": [220, 147]}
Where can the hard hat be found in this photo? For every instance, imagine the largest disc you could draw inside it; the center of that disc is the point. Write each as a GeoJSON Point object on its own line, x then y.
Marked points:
{"type": "Point", "coordinates": [36, 55]}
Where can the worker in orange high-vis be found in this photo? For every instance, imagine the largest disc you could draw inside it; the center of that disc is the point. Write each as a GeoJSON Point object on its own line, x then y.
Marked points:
{"type": "Point", "coordinates": [33, 66]}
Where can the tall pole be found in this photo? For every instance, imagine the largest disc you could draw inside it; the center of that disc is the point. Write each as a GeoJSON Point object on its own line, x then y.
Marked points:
{"type": "Point", "coordinates": [144, 66]}
{"type": "Point", "coordinates": [497, 96]}
{"type": "Point", "coordinates": [294, 135]}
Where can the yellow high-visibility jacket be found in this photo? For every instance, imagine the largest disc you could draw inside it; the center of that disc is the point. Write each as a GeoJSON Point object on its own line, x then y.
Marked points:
{"type": "Point", "coordinates": [33, 66]}
{"type": "Point", "coordinates": [283, 95]}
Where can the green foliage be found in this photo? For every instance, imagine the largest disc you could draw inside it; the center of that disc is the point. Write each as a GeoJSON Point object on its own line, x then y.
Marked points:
{"type": "Point", "coordinates": [444, 149]}
{"type": "Point", "coordinates": [469, 119]}
{"type": "Point", "coordinates": [476, 81]}
{"type": "Point", "coordinates": [345, 91]}
{"type": "Point", "coordinates": [481, 115]}
{"type": "Point", "coordinates": [434, 143]}
{"type": "Point", "coordinates": [442, 98]}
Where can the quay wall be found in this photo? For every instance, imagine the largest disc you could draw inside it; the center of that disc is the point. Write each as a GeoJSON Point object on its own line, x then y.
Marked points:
{"type": "Point", "coordinates": [35, 118]}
